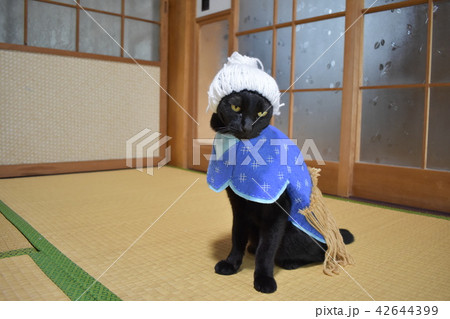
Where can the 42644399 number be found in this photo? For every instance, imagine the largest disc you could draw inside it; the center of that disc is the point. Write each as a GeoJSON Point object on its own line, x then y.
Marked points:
{"type": "Point", "coordinates": [405, 310]}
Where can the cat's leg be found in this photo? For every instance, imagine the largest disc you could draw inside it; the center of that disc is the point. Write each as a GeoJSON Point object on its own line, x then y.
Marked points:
{"type": "Point", "coordinates": [239, 239]}
{"type": "Point", "coordinates": [270, 236]}
{"type": "Point", "coordinates": [254, 239]}
{"type": "Point", "coordinates": [239, 236]}
{"type": "Point", "coordinates": [298, 249]}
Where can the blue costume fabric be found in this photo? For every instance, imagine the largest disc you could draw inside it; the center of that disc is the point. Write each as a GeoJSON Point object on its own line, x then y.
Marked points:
{"type": "Point", "coordinates": [261, 169]}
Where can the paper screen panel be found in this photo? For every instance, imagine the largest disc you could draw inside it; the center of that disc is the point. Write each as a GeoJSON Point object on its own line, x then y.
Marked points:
{"type": "Point", "coordinates": [64, 109]}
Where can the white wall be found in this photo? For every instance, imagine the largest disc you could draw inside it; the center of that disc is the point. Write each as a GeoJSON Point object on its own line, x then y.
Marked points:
{"type": "Point", "coordinates": [214, 6]}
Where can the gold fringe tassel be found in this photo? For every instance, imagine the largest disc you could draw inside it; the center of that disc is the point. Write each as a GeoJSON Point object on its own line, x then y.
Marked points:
{"type": "Point", "coordinates": [318, 215]}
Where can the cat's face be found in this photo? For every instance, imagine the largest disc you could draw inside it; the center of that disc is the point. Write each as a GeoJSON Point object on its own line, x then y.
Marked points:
{"type": "Point", "coordinates": [244, 115]}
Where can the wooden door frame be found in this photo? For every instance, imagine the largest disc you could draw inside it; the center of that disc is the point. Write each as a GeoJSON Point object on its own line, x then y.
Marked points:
{"type": "Point", "coordinates": [192, 127]}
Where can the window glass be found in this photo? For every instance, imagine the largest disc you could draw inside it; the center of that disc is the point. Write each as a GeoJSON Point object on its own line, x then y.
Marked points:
{"type": "Point", "coordinates": [11, 21]}
{"type": "Point", "coordinates": [145, 9]}
{"type": "Point", "coordinates": [313, 8]}
{"type": "Point", "coordinates": [439, 129]}
{"type": "Point", "coordinates": [283, 63]}
{"type": "Point", "coordinates": [395, 46]}
{"type": "Point", "coordinates": [255, 14]}
{"type": "Point", "coordinates": [282, 121]}
{"type": "Point", "coordinates": [114, 6]}
{"type": "Point", "coordinates": [284, 11]}
{"type": "Point", "coordinates": [258, 45]}
{"type": "Point", "coordinates": [440, 70]}
{"type": "Point", "coordinates": [141, 40]}
{"type": "Point", "coordinates": [392, 126]}
{"type": "Point", "coordinates": [317, 116]}
{"type": "Point", "coordinates": [51, 26]}
{"type": "Point", "coordinates": [319, 54]}
{"type": "Point", "coordinates": [93, 39]}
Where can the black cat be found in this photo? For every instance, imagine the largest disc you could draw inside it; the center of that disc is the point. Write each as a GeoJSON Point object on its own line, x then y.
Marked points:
{"type": "Point", "coordinates": [271, 236]}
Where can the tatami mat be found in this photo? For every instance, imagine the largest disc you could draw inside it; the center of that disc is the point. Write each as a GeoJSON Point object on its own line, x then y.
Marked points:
{"type": "Point", "coordinates": [180, 229]}
{"type": "Point", "coordinates": [10, 237]}
{"type": "Point", "coordinates": [21, 279]}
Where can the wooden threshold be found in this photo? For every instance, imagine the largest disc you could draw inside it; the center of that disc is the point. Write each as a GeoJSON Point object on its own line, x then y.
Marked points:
{"type": "Point", "coordinates": [21, 170]}
{"type": "Point", "coordinates": [415, 187]}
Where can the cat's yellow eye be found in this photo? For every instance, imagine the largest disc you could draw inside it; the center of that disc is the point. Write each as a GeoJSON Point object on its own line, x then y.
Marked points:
{"type": "Point", "coordinates": [262, 114]}
{"type": "Point", "coordinates": [235, 108]}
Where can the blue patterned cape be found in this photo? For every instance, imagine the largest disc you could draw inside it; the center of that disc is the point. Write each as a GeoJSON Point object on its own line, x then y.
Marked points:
{"type": "Point", "coordinates": [261, 169]}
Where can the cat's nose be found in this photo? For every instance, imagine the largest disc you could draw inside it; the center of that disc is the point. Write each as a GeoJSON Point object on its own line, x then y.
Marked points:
{"type": "Point", "coordinates": [248, 125]}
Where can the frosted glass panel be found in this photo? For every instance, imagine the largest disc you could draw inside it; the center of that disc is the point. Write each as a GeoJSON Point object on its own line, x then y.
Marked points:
{"type": "Point", "coordinates": [392, 126]}
{"type": "Point", "coordinates": [283, 65]}
{"type": "Point", "coordinates": [145, 9]}
{"type": "Point", "coordinates": [395, 46]}
{"type": "Point", "coordinates": [255, 14]}
{"type": "Point", "coordinates": [51, 26]}
{"type": "Point", "coordinates": [11, 21]}
{"type": "Point", "coordinates": [313, 8]}
{"type": "Point", "coordinates": [313, 40]}
{"type": "Point", "coordinates": [282, 121]}
{"type": "Point", "coordinates": [141, 40]}
{"type": "Point", "coordinates": [317, 116]}
{"type": "Point", "coordinates": [114, 6]}
{"type": "Point", "coordinates": [95, 40]}
{"type": "Point", "coordinates": [212, 55]}
{"type": "Point", "coordinates": [258, 45]}
{"type": "Point", "coordinates": [284, 11]}
{"type": "Point", "coordinates": [376, 3]}
{"type": "Point", "coordinates": [440, 71]}
{"type": "Point", "coordinates": [439, 129]}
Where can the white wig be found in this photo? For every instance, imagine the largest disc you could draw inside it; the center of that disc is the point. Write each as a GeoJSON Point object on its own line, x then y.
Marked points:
{"type": "Point", "coordinates": [243, 73]}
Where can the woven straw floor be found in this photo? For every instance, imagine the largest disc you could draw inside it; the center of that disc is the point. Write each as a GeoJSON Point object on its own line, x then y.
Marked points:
{"type": "Point", "coordinates": [21, 279]}
{"type": "Point", "coordinates": [158, 238]}
{"type": "Point", "coordinates": [10, 237]}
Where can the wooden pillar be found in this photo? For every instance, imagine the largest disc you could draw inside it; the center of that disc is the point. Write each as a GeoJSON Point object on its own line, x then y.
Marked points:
{"type": "Point", "coordinates": [351, 98]}
{"type": "Point", "coordinates": [180, 53]}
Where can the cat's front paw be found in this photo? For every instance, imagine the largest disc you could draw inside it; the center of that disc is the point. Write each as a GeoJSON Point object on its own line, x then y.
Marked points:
{"type": "Point", "coordinates": [223, 267]}
{"type": "Point", "coordinates": [265, 284]}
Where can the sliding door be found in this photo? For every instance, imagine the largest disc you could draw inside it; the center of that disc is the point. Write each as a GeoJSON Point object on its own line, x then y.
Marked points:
{"type": "Point", "coordinates": [78, 82]}
{"type": "Point", "coordinates": [366, 88]}
{"type": "Point", "coordinates": [213, 46]}
{"type": "Point", "coordinates": [404, 136]}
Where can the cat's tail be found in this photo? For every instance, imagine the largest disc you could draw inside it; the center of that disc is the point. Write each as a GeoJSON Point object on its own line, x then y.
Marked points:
{"type": "Point", "coordinates": [347, 236]}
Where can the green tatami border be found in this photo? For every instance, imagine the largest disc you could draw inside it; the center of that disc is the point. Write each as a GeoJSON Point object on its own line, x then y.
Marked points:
{"type": "Point", "coordinates": [17, 252]}
{"type": "Point", "coordinates": [69, 277]}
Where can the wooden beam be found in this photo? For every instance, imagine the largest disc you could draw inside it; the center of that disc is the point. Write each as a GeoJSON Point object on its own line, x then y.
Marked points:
{"type": "Point", "coordinates": [180, 70]}
{"type": "Point", "coordinates": [350, 115]}
{"type": "Point", "coordinates": [392, 6]}
{"type": "Point", "coordinates": [27, 48]}
{"type": "Point", "coordinates": [38, 169]}
{"type": "Point", "coordinates": [290, 107]}
{"type": "Point", "coordinates": [426, 111]}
